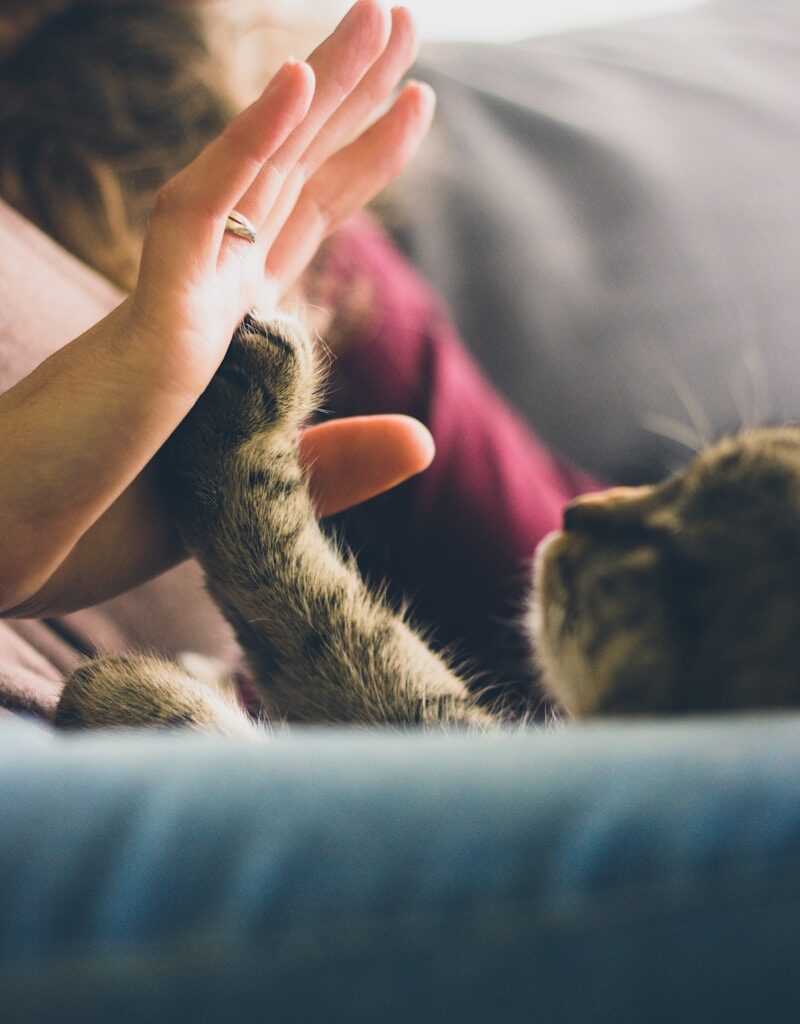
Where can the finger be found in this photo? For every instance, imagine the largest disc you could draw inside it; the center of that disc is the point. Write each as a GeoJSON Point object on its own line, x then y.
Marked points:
{"type": "Point", "coordinates": [339, 64]}
{"type": "Point", "coordinates": [190, 213]}
{"type": "Point", "coordinates": [346, 121]}
{"type": "Point", "coordinates": [371, 92]}
{"type": "Point", "coordinates": [349, 180]}
{"type": "Point", "coordinates": [352, 460]}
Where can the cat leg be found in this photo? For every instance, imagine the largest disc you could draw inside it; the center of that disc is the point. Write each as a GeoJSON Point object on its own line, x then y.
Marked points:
{"type": "Point", "coordinates": [320, 645]}
{"type": "Point", "coordinates": [142, 692]}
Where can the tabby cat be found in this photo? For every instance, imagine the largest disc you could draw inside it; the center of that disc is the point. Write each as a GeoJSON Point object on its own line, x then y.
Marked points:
{"type": "Point", "coordinates": [671, 598]}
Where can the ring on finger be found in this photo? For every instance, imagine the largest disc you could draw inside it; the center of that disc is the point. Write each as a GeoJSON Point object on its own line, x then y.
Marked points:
{"type": "Point", "coordinates": [240, 226]}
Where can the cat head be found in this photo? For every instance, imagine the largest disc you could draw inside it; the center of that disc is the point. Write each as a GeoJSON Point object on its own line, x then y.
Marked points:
{"type": "Point", "coordinates": [683, 596]}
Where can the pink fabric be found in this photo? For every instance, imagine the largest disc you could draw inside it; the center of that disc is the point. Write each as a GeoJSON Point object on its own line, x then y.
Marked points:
{"type": "Point", "coordinates": [458, 539]}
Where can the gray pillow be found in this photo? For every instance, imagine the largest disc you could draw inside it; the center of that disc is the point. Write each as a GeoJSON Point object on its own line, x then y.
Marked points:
{"type": "Point", "coordinates": [614, 217]}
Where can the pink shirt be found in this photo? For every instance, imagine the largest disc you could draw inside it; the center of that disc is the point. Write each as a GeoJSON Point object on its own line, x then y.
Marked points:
{"type": "Point", "coordinates": [457, 540]}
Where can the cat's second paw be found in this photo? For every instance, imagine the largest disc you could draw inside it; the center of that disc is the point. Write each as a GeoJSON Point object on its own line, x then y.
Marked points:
{"type": "Point", "coordinates": [137, 692]}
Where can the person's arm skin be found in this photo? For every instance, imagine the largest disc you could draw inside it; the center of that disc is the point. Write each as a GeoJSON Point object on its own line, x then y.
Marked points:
{"type": "Point", "coordinates": [80, 519]}
{"type": "Point", "coordinates": [349, 461]}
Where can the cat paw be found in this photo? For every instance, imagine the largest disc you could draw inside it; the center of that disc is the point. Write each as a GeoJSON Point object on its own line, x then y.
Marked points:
{"type": "Point", "coordinates": [134, 692]}
{"type": "Point", "coordinates": [266, 381]}
{"type": "Point", "coordinates": [263, 391]}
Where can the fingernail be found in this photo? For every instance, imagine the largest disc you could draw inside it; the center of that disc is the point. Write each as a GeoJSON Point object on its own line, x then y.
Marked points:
{"type": "Point", "coordinates": [276, 81]}
{"type": "Point", "coordinates": [422, 85]}
{"type": "Point", "coordinates": [429, 93]}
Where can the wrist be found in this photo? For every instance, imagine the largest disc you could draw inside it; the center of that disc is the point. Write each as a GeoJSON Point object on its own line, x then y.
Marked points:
{"type": "Point", "coordinates": [151, 355]}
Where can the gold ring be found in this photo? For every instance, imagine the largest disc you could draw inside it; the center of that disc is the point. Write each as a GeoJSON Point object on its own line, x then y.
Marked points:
{"type": "Point", "coordinates": [240, 226]}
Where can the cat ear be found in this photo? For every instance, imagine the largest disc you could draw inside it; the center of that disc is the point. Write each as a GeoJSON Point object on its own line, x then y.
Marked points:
{"type": "Point", "coordinates": [618, 508]}
{"type": "Point", "coordinates": [615, 506]}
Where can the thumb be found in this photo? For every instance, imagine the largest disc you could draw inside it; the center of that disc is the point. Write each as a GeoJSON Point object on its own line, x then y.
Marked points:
{"type": "Point", "coordinates": [351, 460]}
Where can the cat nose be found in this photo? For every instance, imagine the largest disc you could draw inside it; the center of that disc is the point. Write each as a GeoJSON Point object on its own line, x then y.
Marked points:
{"type": "Point", "coordinates": [593, 511]}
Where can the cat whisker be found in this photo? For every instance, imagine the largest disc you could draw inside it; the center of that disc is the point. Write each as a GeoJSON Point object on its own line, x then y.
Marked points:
{"type": "Point", "coordinates": [693, 407]}
{"type": "Point", "coordinates": [695, 435]}
{"type": "Point", "coordinates": [673, 430]}
{"type": "Point", "coordinates": [754, 377]}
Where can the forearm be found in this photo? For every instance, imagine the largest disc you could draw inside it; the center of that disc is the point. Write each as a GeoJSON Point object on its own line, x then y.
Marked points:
{"type": "Point", "coordinates": [321, 646]}
{"type": "Point", "coordinates": [132, 542]}
{"type": "Point", "coordinates": [76, 434]}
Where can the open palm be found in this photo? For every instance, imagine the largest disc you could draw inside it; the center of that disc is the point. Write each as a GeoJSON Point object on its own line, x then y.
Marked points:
{"type": "Point", "coordinates": [291, 165]}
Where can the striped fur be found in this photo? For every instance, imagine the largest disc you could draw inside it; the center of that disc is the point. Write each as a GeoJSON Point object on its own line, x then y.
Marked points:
{"type": "Point", "coordinates": [320, 646]}
{"type": "Point", "coordinates": [682, 597]}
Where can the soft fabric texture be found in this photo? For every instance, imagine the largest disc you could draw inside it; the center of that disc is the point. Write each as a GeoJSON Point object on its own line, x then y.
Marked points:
{"type": "Point", "coordinates": [597, 874]}
{"type": "Point", "coordinates": [613, 215]}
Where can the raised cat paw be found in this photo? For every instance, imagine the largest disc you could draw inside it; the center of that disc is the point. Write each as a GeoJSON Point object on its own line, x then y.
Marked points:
{"type": "Point", "coordinates": [265, 384]}
{"type": "Point", "coordinates": [266, 381]}
{"type": "Point", "coordinates": [251, 410]}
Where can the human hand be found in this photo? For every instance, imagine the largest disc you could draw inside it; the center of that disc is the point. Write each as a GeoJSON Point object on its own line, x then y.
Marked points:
{"type": "Point", "coordinates": [79, 517]}
{"type": "Point", "coordinates": [290, 165]}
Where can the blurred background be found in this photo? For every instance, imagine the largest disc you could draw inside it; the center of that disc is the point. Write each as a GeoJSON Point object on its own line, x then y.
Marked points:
{"type": "Point", "coordinates": [515, 19]}
{"type": "Point", "coordinates": [487, 20]}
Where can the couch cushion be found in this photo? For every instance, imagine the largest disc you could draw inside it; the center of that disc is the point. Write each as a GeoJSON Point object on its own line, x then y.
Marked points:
{"type": "Point", "coordinates": [614, 217]}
